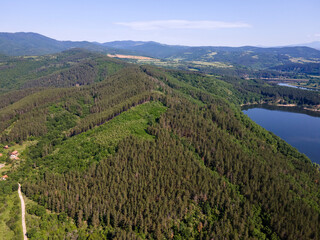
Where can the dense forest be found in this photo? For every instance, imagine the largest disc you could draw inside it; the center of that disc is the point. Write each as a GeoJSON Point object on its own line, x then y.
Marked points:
{"type": "Point", "coordinates": [112, 150]}
{"type": "Point", "coordinates": [309, 68]}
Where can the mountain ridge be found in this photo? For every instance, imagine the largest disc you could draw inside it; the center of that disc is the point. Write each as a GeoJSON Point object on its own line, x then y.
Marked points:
{"type": "Point", "coordinates": [314, 44]}
{"type": "Point", "coordinates": [28, 41]}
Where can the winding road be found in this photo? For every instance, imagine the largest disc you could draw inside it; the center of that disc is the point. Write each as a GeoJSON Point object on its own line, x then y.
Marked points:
{"type": "Point", "coordinates": [23, 214]}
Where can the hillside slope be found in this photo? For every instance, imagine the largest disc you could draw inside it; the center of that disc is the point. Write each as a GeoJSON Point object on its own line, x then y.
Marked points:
{"type": "Point", "coordinates": [150, 153]}
{"type": "Point", "coordinates": [71, 67]}
{"type": "Point", "coordinates": [34, 44]}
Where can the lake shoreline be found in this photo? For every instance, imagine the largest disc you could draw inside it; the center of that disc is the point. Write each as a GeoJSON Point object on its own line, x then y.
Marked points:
{"type": "Point", "coordinates": [316, 108]}
{"type": "Point", "coordinates": [296, 126]}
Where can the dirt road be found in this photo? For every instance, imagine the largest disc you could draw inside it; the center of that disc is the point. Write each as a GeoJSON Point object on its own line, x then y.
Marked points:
{"type": "Point", "coordinates": [23, 213]}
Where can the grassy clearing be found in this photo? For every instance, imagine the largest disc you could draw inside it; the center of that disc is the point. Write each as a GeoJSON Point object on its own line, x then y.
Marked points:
{"type": "Point", "coordinates": [133, 122]}
{"type": "Point", "coordinates": [10, 217]}
{"type": "Point", "coordinates": [213, 64]}
{"type": "Point", "coordinates": [157, 62]}
{"type": "Point", "coordinates": [211, 54]}
{"type": "Point", "coordinates": [301, 60]}
{"type": "Point", "coordinates": [82, 150]}
{"type": "Point", "coordinates": [129, 57]}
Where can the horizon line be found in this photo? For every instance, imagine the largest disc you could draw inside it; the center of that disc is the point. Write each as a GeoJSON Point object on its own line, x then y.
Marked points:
{"type": "Point", "coordinates": [181, 45]}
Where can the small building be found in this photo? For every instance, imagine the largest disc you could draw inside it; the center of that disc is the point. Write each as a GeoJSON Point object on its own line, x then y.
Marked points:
{"type": "Point", "coordinates": [4, 177]}
{"type": "Point", "coordinates": [15, 153]}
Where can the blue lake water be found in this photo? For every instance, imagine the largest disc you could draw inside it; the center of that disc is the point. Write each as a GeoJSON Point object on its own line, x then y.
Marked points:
{"type": "Point", "coordinates": [300, 130]}
{"type": "Point", "coordinates": [288, 85]}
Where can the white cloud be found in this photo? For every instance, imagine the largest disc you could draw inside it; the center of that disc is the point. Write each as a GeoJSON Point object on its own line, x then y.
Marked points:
{"type": "Point", "coordinates": [182, 24]}
{"type": "Point", "coordinates": [317, 35]}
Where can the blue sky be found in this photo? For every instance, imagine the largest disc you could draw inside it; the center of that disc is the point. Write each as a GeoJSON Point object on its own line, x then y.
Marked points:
{"type": "Point", "coordinates": [196, 23]}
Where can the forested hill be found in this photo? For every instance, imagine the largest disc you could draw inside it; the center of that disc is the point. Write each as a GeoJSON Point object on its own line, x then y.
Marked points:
{"type": "Point", "coordinates": [152, 49]}
{"type": "Point", "coordinates": [34, 44]}
{"type": "Point", "coordinates": [69, 68]}
{"type": "Point", "coordinates": [122, 151]}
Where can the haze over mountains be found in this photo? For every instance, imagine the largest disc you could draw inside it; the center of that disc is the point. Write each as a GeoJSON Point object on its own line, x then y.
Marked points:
{"type": "Point", "coordinates": [21, 43]}
{"type": "Point", "coordinates": [315, 44]}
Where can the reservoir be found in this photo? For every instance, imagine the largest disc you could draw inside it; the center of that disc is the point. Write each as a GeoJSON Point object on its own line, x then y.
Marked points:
{"type": "Point", "coordinates": [303, 88]}
{"type": "Point", "coordinates": [294, 126]}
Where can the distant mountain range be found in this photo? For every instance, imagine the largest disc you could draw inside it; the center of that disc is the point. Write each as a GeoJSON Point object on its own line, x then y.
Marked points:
{"type": "Point", "coordinates": [315, 45]}
{"type": "Point", "coordinates": [21, 43]}
{"type": "Point", "coordinates": [15, 44]}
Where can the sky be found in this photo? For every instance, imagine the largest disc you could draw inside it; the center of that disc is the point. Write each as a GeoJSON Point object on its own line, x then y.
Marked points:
{"type": "Point", "coordinates": [193, 23]}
